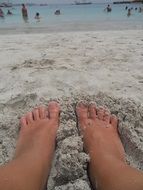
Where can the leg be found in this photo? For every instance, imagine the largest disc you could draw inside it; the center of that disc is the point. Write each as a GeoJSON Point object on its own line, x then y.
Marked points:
{"type": "Point", "coordinates": [107, 166]}
{"type": "Point", "coordinates": [30, 167]}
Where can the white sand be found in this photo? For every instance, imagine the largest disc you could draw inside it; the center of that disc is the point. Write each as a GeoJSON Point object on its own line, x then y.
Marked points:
{"type": "Point", "coordinates": [66, 66]}
{"type": "Point", "coordinates": [89, 62]}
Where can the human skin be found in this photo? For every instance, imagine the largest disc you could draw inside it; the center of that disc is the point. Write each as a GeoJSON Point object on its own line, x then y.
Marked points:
{"type": "Point", "coordinates": [36, 144]}
{"type": "Point", "coordinates": [35, 147]}
{"type": "Point", "coordinates": [107, 168]}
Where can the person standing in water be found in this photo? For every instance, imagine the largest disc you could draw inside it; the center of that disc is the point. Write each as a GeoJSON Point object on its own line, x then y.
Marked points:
{"type": "Point", "coordinates": [108, 9]}
{"type": "Point", "coordinates": [129, 12]}
{"type": "Point", "coordinates": [24, 12]}
{"type": "Point", "coordinates": [1, 13]}
{"type": "Point", "coordinates": [37, 17]}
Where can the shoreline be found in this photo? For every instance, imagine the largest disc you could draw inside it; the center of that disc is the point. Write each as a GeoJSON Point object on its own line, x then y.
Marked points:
{"type": "Point", "coordinates": [72, 27]}
{"type": "Point", "coordinates": [44, 30]}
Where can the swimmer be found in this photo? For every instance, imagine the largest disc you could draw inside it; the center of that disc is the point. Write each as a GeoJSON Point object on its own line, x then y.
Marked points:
{"type": "Point", "coordinates": [9, 12]}
{"type": "Point", "coordinates": [57, 12]}
{"type": "Point", "coordinates": [37, 16]}
{"type": "Point", "coordinates": [108, 9]}
{"type": "Point", "coordinates": [1, 13]}
{"type": "Point", "coordinates": [129, 12]}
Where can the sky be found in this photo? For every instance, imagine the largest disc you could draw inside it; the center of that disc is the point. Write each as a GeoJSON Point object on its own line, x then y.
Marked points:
{"type": "Point", "coordinates": [55, 1]}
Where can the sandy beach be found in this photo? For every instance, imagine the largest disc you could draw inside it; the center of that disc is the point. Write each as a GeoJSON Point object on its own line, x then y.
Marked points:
{"type": "Point", "coordinates": [101, 66]}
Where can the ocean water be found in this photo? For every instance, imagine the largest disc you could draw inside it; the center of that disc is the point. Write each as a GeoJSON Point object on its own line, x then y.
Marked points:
{"type": "Point", "coordinates": [92, 15]}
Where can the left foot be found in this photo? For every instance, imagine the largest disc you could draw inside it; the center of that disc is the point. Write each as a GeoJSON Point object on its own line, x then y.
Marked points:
{"type": "Point", "coordinates": [36, 142]}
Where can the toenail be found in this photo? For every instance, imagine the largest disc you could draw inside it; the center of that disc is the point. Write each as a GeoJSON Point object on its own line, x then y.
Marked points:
{"type": "Point", "coordinates": [82, 104]}
{"type": "Point", "coordinates": [107, 113]}
{"type": "Point", "coordinates": [92, 104]}
{"type": "Point", "coordinates": [101, 108]}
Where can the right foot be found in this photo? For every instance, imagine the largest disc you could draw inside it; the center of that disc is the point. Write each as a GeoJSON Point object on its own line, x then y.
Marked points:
{"type": "Point", "coordinates": [99, 129]}
{"type": "Point", "coordinates": [100, 137]}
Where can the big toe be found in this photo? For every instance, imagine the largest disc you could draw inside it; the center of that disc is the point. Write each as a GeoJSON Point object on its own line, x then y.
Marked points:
{"type": "Point", "coordinates": [23, 121]}
{"type": "Point", "coordinates": [54, 110]}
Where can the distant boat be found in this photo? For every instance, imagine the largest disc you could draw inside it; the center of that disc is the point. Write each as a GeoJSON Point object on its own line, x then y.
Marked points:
{"type": "Point", "coordinates": [30, 4]}
{"type": "Point", "coordinates": [43, 4]}
{"type": "Point", "coordinates": [83, 2]}
{"type": "Point", "coordinates": [5, 4]}
{"type": "Point", "coordinates": [122, 2]}
{"type": "Point", "coordinates": [128, 2]}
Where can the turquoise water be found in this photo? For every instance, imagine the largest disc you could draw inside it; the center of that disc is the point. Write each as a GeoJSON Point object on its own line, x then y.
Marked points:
{"type": "Point", "coordinates": [73, 14]}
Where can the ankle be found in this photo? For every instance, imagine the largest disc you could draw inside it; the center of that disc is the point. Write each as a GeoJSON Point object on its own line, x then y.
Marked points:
{"type": "Point", "coordinates": [106, 162]}
{"type": "Point", "coordinates": [106, 172]}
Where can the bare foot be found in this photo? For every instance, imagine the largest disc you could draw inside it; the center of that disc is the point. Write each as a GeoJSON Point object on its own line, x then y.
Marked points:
{"type": "Point", "coordinates": [38, 131]}
{"type": "Point", "coordinates": [99, 129]}
{"type": "Point", "coordinates": [100, 136]}
{"type": "Point", "coordinates": [36, 144]}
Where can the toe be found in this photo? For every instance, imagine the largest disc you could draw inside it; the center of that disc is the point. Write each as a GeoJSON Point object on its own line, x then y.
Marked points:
{"type": "Point", "coordinates": [36, 114]}
{"type": "Point", "coordinates": [23, 122]}
{"type": "Point", "coordinates": [29, 117]}
{"type": "Point", "coordinates": [42, 112]}
{"type": "Point", "coordinates": [92, 111]}
{"type": "Point", "coordinates": [107, 116]}
{"type": "Point", "coordinates": [114, 121]}
{"type": "Point", "coordinates": [100, 113]}
{"type": "Point", "coordinates": [54, 110]}
{"type": "Point", "coordinates": [82, 111]}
